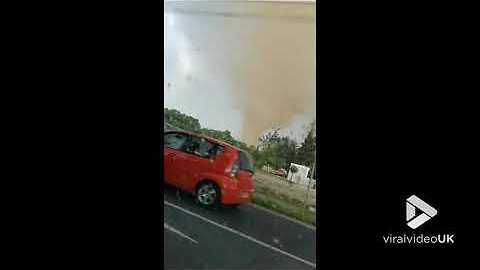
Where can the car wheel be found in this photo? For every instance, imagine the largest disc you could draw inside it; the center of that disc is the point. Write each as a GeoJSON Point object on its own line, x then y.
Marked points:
{"type": "Point", "coordinates": [208, 194]}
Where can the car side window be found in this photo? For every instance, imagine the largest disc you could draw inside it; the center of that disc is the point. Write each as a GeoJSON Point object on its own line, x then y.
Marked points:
{"type": "Point", "coordinates": [201, 147]}
{"type": "Point", "coordinates": [175, 140]}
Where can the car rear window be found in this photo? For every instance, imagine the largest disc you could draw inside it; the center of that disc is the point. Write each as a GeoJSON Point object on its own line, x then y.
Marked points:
{"type": "Point", "coordinates": [245, 162]}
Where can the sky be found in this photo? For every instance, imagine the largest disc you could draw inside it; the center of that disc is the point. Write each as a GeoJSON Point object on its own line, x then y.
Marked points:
{"type": "Point", "coordinates": [245, 67]}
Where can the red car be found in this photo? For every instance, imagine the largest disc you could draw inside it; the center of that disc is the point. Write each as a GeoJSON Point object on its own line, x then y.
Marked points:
{"type": "Point", "coordinates": [214, 171]}
{"type": "Point", "coordinates": [280, 172]}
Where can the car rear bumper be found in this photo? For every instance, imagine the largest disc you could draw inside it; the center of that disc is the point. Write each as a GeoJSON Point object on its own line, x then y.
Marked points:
{"type": "Point", "coordinates": [236, 196]}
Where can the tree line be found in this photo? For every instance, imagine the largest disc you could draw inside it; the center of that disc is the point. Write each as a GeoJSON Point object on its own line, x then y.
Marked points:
{"type": "Point", "coordinates": [273, 149]}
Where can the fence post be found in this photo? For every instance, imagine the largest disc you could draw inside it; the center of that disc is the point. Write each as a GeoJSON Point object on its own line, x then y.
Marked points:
{"type": "Point", "coordinates": [309, 184]}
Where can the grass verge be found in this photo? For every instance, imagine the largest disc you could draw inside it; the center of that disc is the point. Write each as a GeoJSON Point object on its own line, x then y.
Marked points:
{"type": "Point", "coordinates": [280, 204]}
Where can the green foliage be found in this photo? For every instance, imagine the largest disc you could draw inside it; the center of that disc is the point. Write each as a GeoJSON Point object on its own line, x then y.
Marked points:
{"type": "Point", "coordinates": [225, 136]}
{"type": "Point", "coordinates": [290, 207]}
{"type": "Point", "coordinates": [180, 120]}
{"type": "Point", "coordinates": [279, 152]}
{"type": "Point", "coordinates": [189, 123]}
{"type": "Point", "coordinates": [306, 152]}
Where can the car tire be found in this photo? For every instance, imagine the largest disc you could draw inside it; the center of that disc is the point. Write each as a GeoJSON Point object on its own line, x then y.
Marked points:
{"type": "Point", "coordinates": [207, 194]}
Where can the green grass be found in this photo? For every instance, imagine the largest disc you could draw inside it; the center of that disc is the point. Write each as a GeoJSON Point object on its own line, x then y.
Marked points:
{"type": "Point", "coordinates": [281, 204]}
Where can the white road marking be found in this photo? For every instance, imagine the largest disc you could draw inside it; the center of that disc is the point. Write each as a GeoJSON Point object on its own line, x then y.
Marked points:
{"type": "Point", "coordinates": [241, 234]}
{"type": "Point", "coordinates": [170, 228]}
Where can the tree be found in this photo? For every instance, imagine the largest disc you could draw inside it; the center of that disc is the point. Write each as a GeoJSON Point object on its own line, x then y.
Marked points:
{"type": "Point", "coordinates": [306, 152]}
{"type": "Point", "coordinates": [180, 120]}
{"type": "Point", "coordinates": [267, 139]}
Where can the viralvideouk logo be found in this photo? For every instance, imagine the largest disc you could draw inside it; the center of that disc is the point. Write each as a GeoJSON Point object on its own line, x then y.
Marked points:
{"type": "Point", "coordinates": [414, 203]}
{"type": "Point", "coordinates": [414, 220]}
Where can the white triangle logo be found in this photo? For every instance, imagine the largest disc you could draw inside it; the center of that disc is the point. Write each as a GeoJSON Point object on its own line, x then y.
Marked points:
{"type": "Point", "coordinates": [428, 212]}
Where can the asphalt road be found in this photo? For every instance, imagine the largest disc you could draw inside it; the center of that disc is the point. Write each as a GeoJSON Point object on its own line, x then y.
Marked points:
{"type": "Point", "coordinates": [243, 238]}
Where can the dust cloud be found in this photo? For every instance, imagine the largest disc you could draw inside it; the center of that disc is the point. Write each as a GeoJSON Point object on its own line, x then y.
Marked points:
{"type": "Point", "coordinates": [263, 55]}
{"type": "Point", "coordinates": [277, 77]}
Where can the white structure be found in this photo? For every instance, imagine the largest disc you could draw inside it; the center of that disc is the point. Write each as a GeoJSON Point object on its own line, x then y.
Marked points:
{"type": "Point", "coordinates": [301, 176]}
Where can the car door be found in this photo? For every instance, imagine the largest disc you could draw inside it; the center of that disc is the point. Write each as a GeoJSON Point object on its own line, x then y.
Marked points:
{"type": "Point", "coordinates": [174, 144]}
{"type": "Point", "coordinates": [198, 158]}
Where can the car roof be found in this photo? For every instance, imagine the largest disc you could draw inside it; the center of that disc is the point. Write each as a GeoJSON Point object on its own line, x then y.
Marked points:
{"type": "Point", "coordinates": [206, 138]}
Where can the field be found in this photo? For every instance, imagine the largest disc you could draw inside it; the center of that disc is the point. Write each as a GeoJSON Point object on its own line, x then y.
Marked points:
{"type": "Point", "coordinates": [277, 194]}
